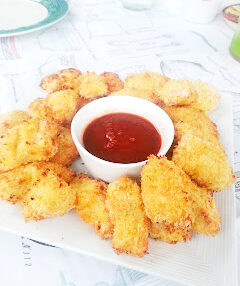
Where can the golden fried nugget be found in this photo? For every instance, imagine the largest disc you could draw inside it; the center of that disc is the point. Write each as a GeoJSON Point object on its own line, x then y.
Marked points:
{"type": "Point", "coordinates": [135, 93]}
{"type": "Point", "coordinates": [64, 104]}
{"type": "Point", "coordinates": [170, 233]}
{"type": "Point", "coordinates": [48, 194]}
{"type": "Point", "coordinates": [14, 184]}
{"type": "Point", "coordinates": [178, 92]}
{"type": "Point", "coordinates": [195, 119]}
{"type": "Point", "coordinates": [92, 86]}
{"type": "Point", "coordinates": [113, 81]}
{"type": "Point", "coordinates": [64, 79]}
{"type": "Point", "coordinates": [207, 96]}
{"type": "Point", "coordinates": [204, 162]}
{"type": "Point", "coordinates": [90, 204]}
{"type": "Point", "coordinates": [166, 193]}
{"type": "Point", "coordinates": [150, 82]}
{"type": "Point", "coordinates": [182, 128]}
{"type": "Point", "coordinates": [67, 150]}
{"type": "Point", "coordinates": [207, 219]}
{"type": "Point", "coordinates": [131, 225]}
{"type": "Point", "coordinates": [39, 108]}
{"type": "Point", "coordinates": [11, 119]}
{"type": "Point", "coordinates": [33, 140]}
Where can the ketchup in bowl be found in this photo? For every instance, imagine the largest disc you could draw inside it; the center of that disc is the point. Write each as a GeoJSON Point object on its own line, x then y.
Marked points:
{"type": "Point", "coordinates": [121, 138]}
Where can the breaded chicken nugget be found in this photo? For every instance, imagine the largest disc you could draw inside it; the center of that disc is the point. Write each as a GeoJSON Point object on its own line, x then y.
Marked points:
{"type": "Point", "coordinates": [33, 140]}
{"type": "Point", "coordinates": [93, 86]}
{"type": "Point", "coordinates": [207, 96]}
{"type": "Point", "coordinates": [178, 92]}
{"type": "Point", "coordinates": [39, 108]}
{"type": "Point", "coordinates": [113, 81]}
{"type": "Point", "coordinates": [207, 219]}
{"type": "Point", "coordinates": [14, 184]}
{"type": "Point", "coordinates": [135, 93]}
{"type": "Point", "coordinates": [131, 225]}
{"type": "Point", "coordinates": [204, 162]}
{"type": "Point", "coordinates": [11, 119]}
{"type": "Point", "coordinates": [166, 193]}
{"type": "Point", "coordinates": [49, 195]}
{"type": "Point", "coordinates": [64, 104]}
{"type": "Point", "coordinates": [195, 119]}
{"type": "Point", "coordinates": [169, 232]}
{"type": "Point", "coordinates": [64, 79]}
{"type": "Point", "coordinates": [182, 128]}
{"type": "Point", "coordinates": [90, 204]}
{"type": "Point", "coordinates": [67, 150]}
{"type": "Point", "coordinates": [150, 82]}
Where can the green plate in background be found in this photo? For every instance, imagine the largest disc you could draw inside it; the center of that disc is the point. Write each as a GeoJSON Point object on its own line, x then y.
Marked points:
{"type": "Point", "coordinates": [25, 16]}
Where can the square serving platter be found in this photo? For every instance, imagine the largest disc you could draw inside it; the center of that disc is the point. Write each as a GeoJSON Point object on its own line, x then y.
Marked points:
{"type": "Point", "coordinates": [202, 261]}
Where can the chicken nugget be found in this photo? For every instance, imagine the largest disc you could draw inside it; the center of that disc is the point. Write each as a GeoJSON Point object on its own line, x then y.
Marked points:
{"type": "Point", "coordinates": [92, 86]}
{"type": "Point", "coordinates": [113, 81]}
{"type": "Point", "coordinates": [11, 119]}
{"type": "Point", "coordinates": [150, 82]}
{"type": "Point", "coordinates": [39, 108]}
{"type": "Point", "coordinates": [169, 232]}
{"type": "Point", "coordinates": [64, 79]}
{"type": "Point", "coordinates": [48, 194]}
{"type": "Point", "coordinates": [166, 193]}
{"type": "Point", "coordinates": [207, 96]}
{"type": "Point", "coordinates": [14, 184]}
{"type": "Point", "coordinates": [131, 225]}
{"type": "Point", "coordinates": [90, 204]}
{"type": "Point", "coordinates": [33, 140]}
{"type": "Point", "coordinates": [182, 128]}
{"type": "Point", "coordinates": [67, 150]}
{"type": "Point", "coordinates": [207, 219]}
{"type": "Point", "coordinates": [178, 92]}
{"type": "Point", "coordinates": [204, 162]}
{"type": "Point", "coordinates": [192, 118]}
{"type": "Point", "coordinates": [135, 93]}
{"type": "Point", "coordinates": [64, 104]}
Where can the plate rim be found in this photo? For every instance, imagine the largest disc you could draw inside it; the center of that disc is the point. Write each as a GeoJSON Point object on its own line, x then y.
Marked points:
{"type": "Point", "coordinates": [50, 20]}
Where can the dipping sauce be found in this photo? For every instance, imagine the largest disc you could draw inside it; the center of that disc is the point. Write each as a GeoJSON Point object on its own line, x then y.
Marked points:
{"type": "Point", "coordinates": [121, 138]}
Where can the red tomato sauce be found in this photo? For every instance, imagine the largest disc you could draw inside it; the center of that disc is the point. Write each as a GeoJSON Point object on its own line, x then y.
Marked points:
{"type": "Point", "coordinates": [121, 138]}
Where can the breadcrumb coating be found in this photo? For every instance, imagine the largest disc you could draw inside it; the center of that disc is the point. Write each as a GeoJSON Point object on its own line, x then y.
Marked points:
{"type": "Point", "coordinates": [166, 193]}
{"type": "Point", "coordinates": [11, 119]}
{"type": "Point", "coordinates": [113, 81]}
{"type": "Point", "coordinates": [33, 140]}
{"type": "Point", "coordinates": [14, 184]}
{"type": "Point", "coordinates": [135, 93]}
{"type": "Point", "coordinates": [187, 119]}
{"type": "Point", "coordinates": [48, 194]}
{"type": "Point", "coordinates": [207, 219]}
{"type": "Point", "coordinates": [149, 82]}
{"type": "Point", "coordinates": [204, 162]}
{"type": "Point", "coordinates": [178, 92]}
{"type": "Point", "coordinates": [207, 96]}
{"type": "Point", "coordinates": [39, 108]}
{"type": "Point", "coordinates": [64, 79]}
{"type": "Point", "coordinates": [93, 86]}
{"type": "Point", "coordinates": [90, 204]}
{"type": "Point", "coordinates": [67, 150]}
{"type": "Point", "coordinates": [64, 104]}
{"type": "Point", "coordinates": [131, 225]}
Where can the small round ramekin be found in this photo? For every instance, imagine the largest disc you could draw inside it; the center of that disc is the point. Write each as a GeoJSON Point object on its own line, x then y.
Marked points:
{"type": "Point", "coordinates": [109, 171]}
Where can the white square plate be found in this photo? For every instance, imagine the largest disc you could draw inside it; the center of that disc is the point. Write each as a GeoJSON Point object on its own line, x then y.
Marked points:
{"type": "Point", "coordinates": [202, 261]}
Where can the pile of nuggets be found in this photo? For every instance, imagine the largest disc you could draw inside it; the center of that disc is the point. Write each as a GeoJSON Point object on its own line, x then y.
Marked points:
{"type": "Point", "coordinates": [175, 196]}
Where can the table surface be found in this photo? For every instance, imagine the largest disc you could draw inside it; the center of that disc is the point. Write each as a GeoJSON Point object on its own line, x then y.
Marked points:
{"type": "Point", "coordinates": [102, 36]}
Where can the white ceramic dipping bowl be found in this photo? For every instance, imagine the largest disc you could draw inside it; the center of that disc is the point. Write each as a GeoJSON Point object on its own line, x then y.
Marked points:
{"type": "Point", "coordinates": [105, 170]}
